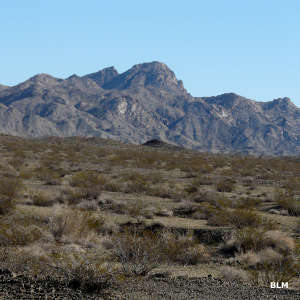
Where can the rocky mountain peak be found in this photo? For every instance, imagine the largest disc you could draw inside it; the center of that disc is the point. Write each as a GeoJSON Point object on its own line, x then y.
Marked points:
{"type": "Point", "coordinates": [147, 102]}
{"type": "Point", "coordinates": [44, 79]}
{"type": "Point", "coordinates": [226, 100]}
{"type": "Point", "coordinates": [154, 74]}
{"type": "Point", "coordinates": [279, 104]}
{"type": "Point", "coordinates": [104, 76]}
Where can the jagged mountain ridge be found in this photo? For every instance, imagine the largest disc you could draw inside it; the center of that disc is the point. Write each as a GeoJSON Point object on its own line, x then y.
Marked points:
{"type": "Point", "coordinates": [148, 102]}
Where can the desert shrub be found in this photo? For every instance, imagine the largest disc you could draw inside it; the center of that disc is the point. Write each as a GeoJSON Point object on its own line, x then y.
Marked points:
{"type": "Point", "coordinates": [73, 197]}
{"type": "Point", "coordinates": [297, 227]}
{"type": "Point", "coordinates": [222, 202]}
{"type": "Point", "coordinates": [279, 241]}
{"type": "Point", "coordinates": [41, 199]}
{"type": "Point", "coordinates": [280, 269]}
{"type": "Point", "coordinates": [23, 231]}
{"type": "Point", "coordinates": [202, 180]}
{"type": "Point", "coordinates": [23, 261]}
{"type": "Point", "coordinates": [163, 212]}
{"type": "Point", "coordinates": [57, 226]}
{"type": "Point", "coordinates": [234, 274]}
{"type": "Point", "coordinates": [17, 159]}
{"type": "Point", "coordinates": [243, 240]}
{"type": "Point", "coordinates": [191, 189]}
{"type": "Point", "coordinates": [226, 185]}
{"type": "Point", "coordinates": [25, 174]}
{"type": "Point", "coordinates": [140, 252]}
{"type": "Point", "coordinates": [135, 209]}
{"type": "Point", "coordinates": [290, 204]}
{"type": "Point", "coordinates": [185, 210]}
{"type": "Point", "coordinates": [136, 182]}
{"type": "Point", "coordinates": [6, 206]}
{"type": "Point", "coordinates": [149, 212]}
{"type": "Point", "coordinates": [137, 186]}
{"type": "Point", "coordinates": [182, 249]}
{"type": "Point", "coordinates": [9, 188]}
{"type": "Point", "coordinates": [292, 184]}
{"type": "Point", "coordinates": [76, 224]}
{"type": "Point", "coordinates": [207, 196]}
{"type": "Point", "coordinates": [119, 207]}
{"type": "Point", "coordinates": [155, 177]}
{"type": "Point", "coordinates": [87, 180]}
{"type": "Point", "coordinates": [137, 254]}
{"type": "Point", "coordinates": [252, 258]}
{"type": "Point", "coordinates": [247, 203]}
{"type": "Point", "coordinates": [243, 218]}
{"type": "Point", "coordinates": [91, 205]}
{"type": "Point", "coordinates": [259, 238]}
{"type": "Point", "coordinates": [237, 217]}
{"type": "Point", "coordinates": [89, 271]}
{"type": "Point", "coordinates": [113, 187]}
{"type": "Point", "coordinates": [207, 210]}
{"type": "Point", "coordinates": [163, 192]}
{"type": "Point", "coordinates": [48, 176]}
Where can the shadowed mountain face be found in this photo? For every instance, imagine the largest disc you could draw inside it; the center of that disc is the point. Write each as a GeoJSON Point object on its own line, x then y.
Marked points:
{"type": "Point", "coordinates": [148, 102]}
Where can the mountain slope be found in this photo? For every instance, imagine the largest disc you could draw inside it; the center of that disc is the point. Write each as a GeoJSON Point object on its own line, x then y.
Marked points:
{"type": "Point", "coordinates": [148, 102]}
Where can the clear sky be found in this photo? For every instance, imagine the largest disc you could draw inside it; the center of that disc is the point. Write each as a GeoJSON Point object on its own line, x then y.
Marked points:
{"type": "Point", "coordinates": [250, 47]}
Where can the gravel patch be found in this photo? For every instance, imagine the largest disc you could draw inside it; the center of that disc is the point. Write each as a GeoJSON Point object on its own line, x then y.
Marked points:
{"type": "Point", "coordinates": [206, 288]}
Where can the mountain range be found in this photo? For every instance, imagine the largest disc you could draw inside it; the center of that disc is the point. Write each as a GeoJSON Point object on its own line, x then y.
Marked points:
{"type": "Point", "coordinates": [148, 102]}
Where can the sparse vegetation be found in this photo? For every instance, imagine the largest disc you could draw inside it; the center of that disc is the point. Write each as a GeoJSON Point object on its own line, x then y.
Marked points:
{"type": "Point", "coordinates": [104, 213]}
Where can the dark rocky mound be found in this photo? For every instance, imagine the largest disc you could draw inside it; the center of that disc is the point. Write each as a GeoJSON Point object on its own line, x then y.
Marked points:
{"type": "Point", "coordinates": [160, 144]}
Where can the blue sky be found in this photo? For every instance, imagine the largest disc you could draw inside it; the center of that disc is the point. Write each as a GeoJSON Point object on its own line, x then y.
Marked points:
{"type": "Point", "coordinates": [249, 47]}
